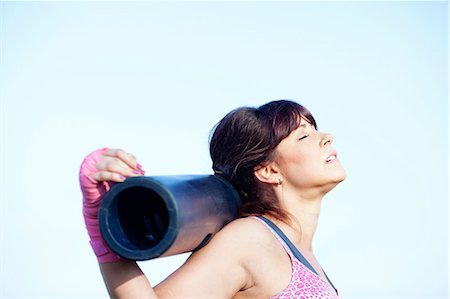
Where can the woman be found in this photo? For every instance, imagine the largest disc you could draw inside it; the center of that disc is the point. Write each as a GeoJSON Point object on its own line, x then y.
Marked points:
{"type": "Point", "coordinates": [282, 167]}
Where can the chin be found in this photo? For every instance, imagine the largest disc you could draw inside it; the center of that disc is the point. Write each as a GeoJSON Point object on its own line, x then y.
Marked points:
{"type": "Point", "coordinates": [342, 177]}
{"type": "Point", "coordinates": [337, 176]}
{"type": "Point", "coordinates": [335, 181]}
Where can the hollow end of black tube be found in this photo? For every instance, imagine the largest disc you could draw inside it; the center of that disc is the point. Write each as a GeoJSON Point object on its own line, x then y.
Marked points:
{"type": "Point", "coordinates": [135, 220]}
{"type": "Point", "coordinates": [143, 216]}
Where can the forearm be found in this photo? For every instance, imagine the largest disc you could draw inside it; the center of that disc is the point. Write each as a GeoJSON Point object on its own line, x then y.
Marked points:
{"type": "Point", "coordinates": [101, 168]}
{"type": "Point", "coordinates": [124, 279]}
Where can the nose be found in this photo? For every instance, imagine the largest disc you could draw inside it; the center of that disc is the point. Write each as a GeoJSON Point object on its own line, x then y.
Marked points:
{"type": "Point", "coordinates": [326, 139]}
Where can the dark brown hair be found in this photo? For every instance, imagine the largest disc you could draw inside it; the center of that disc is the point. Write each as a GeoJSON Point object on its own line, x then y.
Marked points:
{"type": "Point", "coordinates": [245, 139]}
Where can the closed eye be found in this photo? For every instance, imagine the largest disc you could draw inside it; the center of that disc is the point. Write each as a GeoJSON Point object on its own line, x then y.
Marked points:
{"type": "Point", "coordinates": [303, 137]}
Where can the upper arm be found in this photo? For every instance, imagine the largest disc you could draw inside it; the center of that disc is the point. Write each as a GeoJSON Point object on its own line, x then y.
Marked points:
{"type": "Point", "coordinates": [125, 280]}
{"type": "Point", "coordinates": [215, 271]}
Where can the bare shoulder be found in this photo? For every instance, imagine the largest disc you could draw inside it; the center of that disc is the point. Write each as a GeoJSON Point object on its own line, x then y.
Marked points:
{"type": "Point", "coordinates": [247, 241]}
{"type": "Point", "coordinates": [266, 263]}
{"type": "Point", "coordinates": [238, 240]}
{"type": "Point", "coordinates": [241, 261]}
{"type": "Point", "coordinates": [243, 225]}
{"type": "Point", "coordinates": [222, 263]}
{"type": "Point", "coordinates": [244, 233]}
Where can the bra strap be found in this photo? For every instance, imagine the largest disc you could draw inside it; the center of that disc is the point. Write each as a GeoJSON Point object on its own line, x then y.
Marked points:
{"type": "Point", "coordinates": [293, 249]}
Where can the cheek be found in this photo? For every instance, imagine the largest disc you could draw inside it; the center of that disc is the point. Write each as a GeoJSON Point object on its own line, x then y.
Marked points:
{"type": "Point", "coordinates": [296, 164]}
{"type": "Point", "coordinates": [302, 168]}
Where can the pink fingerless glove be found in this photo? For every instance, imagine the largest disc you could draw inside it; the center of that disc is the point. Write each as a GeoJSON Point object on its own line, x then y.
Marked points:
{"type": "Point", "coordinates": [93, 193]}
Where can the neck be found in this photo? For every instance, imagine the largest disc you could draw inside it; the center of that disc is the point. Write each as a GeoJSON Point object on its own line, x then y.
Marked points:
{"type": "Point", "coordinates": [305, 219]}
{"type": "Point", "coordinates": [304, 211]}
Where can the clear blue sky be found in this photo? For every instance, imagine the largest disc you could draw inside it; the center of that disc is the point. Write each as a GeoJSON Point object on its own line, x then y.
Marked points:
{"type": "Point", "coordinates": [154, 77]}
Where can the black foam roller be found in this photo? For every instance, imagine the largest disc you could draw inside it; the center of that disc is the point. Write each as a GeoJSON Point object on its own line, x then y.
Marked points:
{"type": "Point", "coordinates": [148, 217]}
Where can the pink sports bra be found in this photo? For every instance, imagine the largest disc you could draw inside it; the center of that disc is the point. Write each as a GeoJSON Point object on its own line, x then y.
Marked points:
{"type": "Point", "coordinates": [305, 282]}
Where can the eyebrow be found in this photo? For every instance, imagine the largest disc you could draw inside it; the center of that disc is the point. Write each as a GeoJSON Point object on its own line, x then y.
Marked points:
{"type": "Point", "coordinates": [305, 125]}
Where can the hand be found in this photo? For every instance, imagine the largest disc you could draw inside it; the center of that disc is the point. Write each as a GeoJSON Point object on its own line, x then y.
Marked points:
{"type": "Point", "coordinates": [99, 170]}
{"type": "Point", "coordinates": [116, 165]}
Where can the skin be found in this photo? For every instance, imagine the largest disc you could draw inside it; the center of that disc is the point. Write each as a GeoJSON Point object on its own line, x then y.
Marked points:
{"type": "Point", "coordinates": [227, 267]}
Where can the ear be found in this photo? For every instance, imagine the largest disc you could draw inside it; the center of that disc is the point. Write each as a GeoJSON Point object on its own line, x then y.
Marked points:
{"type": "Point", "coordinates": [268, 173]}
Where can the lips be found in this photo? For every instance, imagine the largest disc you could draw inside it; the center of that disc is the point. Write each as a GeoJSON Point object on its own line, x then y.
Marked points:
{"type": "Point", "coordinates": [331, 157]}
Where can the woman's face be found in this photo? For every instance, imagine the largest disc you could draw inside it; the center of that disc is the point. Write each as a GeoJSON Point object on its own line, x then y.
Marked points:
{"type": "Point", "coordinates": [306, 159]}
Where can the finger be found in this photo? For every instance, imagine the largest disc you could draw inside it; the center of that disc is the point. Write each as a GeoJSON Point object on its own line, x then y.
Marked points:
{"type": "Point", "coordinates": [127, 158]}
{"type": "Point", "coordinates": [101, 176]}
{"type": "Point", "coordinates": [116, 165]}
